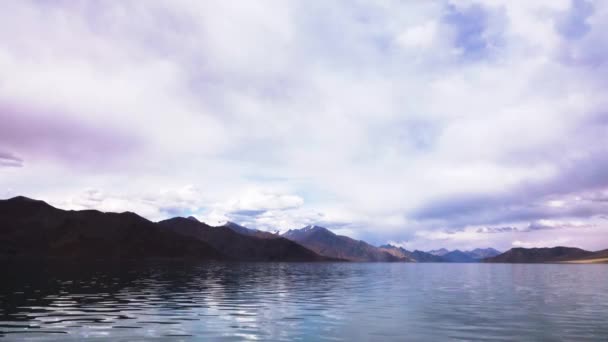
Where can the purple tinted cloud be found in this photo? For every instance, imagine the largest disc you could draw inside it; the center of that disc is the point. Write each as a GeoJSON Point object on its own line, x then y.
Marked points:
{"type": "Point", "coordinates": [527, 201]}
{"type": "Point", "coordinates": [43, 133]}
{"type": "Point", "coordinates": [531, 227]}
{"type": "Point", "coordinates": [10, 160]}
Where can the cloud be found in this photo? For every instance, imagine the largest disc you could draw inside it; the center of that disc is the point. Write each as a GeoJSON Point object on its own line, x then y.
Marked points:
{"type": "Point", "coordinates": [382, 119]}
{"type": "Point", "coordinates": [572, 24]}
{"type": "Point", "coordinates": [571, 192]}
{"type": "Point", "coordinates": [10, 160]}
{"type": "Point", "coordinates": [260, 200]}
{"type": "Point", "coordinates": [541, 243]}
{"type": "Point", "coordinates": [476, 32]}
{"type": "Point", "coordinates": [536, 225]}
{"type": "Point", "coordinates": [492, 230]}
{"type": "Point", "coordinates": [48, 134]}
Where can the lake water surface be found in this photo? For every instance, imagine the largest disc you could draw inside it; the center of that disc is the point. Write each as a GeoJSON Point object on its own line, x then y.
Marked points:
{"type": "Point", "coordinates": [304, 301]}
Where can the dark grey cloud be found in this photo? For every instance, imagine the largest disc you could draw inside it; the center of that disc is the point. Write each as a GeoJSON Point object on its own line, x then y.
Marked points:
{"type": "Point", "coordinates": [246, 212]}
{"type": "Point", "coordinates": [10, 160]}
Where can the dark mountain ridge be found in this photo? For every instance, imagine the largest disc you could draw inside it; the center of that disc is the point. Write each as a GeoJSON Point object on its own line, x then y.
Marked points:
{"type": "Point", "coordinates": [543, 255]}
{"type": "Point", "coordinates": [34, 229]}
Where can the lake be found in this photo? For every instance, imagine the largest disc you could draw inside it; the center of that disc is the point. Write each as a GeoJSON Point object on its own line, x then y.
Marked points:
{"type": "Point", "coordinates": [304, 301]}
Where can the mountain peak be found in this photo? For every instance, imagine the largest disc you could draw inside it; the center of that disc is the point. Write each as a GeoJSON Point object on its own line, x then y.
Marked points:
{"type": "Point", "coordinates": [315, 228]}
{"type": "Point", "coordinates": [439, 252]}
{"type": "Point", "coordinates": [27, 200]}
{"type": "Point", "coordinates": [24, 199]}
{"type": "Point", "coordinates": [192, 218]}
{"type": "Point", "coordinates": [307, 230]}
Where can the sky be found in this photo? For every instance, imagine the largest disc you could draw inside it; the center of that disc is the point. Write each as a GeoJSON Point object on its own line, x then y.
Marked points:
{"type": "Point", "coordinates": [427, 124]}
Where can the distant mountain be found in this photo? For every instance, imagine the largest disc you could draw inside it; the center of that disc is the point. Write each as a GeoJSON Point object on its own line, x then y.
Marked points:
{"type": "Point", "coordinates": [541, 255]}
{"type": "Point", "coordinates": [32, 229]}
{"type": "Point", "coordinates": [241, 246]}
{"type": "Point", "coordinates": [442, 255]}
{"type": "Point", "coordinates": [466, 256]}
{"type": "Point", "coordinates": [326, 243]}
{"type": "Point", "coordinates": [439, 252]}
{"type": "Point", "coordinates": [458, 256]}
{"type": "Point", "coordinates": [482, 253]}
{"type": "Point", "coordinates": [417, 256]}
{"type": "Point", "coordinates": [251, 232]}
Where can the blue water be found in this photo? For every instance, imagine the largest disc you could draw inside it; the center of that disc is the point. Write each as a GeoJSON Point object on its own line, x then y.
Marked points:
{"type": "Point", "coordinates": [307, 302]}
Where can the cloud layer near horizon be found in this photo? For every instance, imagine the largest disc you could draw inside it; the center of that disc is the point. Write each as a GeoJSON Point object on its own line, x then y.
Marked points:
{"type": "Point", "coordinates": [431, 123]}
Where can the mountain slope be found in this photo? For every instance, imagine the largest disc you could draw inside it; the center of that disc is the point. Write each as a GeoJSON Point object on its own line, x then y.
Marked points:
{"type": "Point", "coordinates": [600, 257]}
{"type": "Point", "coordinates": [241, 246]}
{"type": "Point", "coordinates": [326, 243]}
{"type": "Point", "coordinates": [251, 232]}
{"type": "Point", "coordinates": [540, 255]}
{"type": "Point", "coordinates": [417, 256]}
{"type": "Point", "coordinates": [31, 228]}
{"type": "Point", "coordinates": [458, 256]}
{"type": "Point", "coordinates": [439, 252]}
{"type": "Point", "coordinates": [482, 253]}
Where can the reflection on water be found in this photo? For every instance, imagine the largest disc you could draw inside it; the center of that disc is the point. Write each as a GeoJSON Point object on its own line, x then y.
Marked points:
{"type": "Point", "coordinates": [301, 301]}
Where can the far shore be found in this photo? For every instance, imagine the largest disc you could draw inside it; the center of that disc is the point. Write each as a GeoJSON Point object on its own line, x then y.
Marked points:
{"type": "Point", "coordinates": [588, 261]}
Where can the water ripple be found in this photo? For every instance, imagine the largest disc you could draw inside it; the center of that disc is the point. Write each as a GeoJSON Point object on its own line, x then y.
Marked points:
{"type": "Point", "coordinates": [300, 301]}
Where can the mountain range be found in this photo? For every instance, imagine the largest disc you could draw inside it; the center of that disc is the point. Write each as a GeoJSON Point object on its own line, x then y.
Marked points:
{"type": "Point", "coordinates": [34, 229]}
{"type": "Point", "coordinates": [326, 243]}
{"type": "Point", "coordinates": [238, 246]}
{"type": "Point", "coordinates": [31, 228]}
{"type": "Point", "coordinates": [443, 255]}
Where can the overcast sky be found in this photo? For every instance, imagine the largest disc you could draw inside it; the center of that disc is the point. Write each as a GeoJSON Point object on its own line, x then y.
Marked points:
{"type": "Point", "coordinates": [428, 124]}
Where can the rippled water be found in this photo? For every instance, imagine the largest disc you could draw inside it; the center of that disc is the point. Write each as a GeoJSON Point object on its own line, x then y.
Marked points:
{"type": "Point", "coordinates": [300, 301]}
